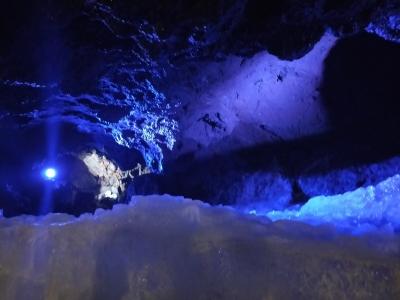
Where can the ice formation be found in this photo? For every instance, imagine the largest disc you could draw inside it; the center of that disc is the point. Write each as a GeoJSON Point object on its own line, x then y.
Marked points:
{"type": "Point", "coordinates": [365, 209]}
{"type": "Point", "coordinates": [111, 178]}
{"type": "Point", "coordinates": [163, 247]}
{"type": "Point", "coordinates": [386, 26]}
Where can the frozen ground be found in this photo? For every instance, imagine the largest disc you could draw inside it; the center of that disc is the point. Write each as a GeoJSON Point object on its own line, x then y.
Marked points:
{"type": "Point", "coordinates": [163, 247]}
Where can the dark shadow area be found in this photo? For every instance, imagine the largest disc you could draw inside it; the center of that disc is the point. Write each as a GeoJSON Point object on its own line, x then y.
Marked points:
{"type": "Point", "coordinates": [278, 168]}
{"type": "Point", "coordinates": [361, 89]}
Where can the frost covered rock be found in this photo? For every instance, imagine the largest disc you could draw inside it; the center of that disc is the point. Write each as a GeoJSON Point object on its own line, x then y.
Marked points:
{"type": "Point", "coordinates": [386, 26]}
{"type": "Point", "coordinates": [110, 176]}
{"type": "Point", "coordinates": [359, 210]}
{"type": "Point", "coordinates": [242, 102]}
{"type": "Point", "coordinates": [338, 181]}
{"type": "Point", "coordinates": [161, 247]}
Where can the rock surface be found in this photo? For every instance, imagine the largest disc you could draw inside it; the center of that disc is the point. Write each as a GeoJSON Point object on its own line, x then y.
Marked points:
{"type": "Point", "coordinates": [230, 78]}
{"type": "Point", "coordinates": [100, 65]}
{"type": "Point", "coordinates": [242, 102]}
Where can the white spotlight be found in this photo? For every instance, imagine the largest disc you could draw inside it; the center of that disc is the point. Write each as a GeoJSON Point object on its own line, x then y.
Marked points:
{"type": "Point", "coordinates": [50, 173]}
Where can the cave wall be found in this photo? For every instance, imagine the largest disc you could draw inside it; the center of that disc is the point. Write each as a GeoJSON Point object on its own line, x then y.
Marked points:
{"type": "Point", "coordinates": [242, 102]}
{"type": "Point", "coordinates": [245, 91]}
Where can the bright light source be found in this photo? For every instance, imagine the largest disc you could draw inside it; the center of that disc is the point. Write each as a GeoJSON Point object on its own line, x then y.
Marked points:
{"type": "Point", "coordinates": [50, 173]}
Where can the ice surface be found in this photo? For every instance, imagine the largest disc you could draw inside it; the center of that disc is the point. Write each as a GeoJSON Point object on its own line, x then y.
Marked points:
{"type": "Point", "coordinates": [162, 247]}
{"type": "Point", "coordinates": [361, 210]}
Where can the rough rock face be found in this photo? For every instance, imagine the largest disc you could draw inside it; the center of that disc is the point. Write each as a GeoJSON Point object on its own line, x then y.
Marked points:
{"type": "Point", "coordinates": [174, 248]}
{"type": "Point", "coordinates": [134, 80]}
{"type": "Point", "coordinates": [98, 64]}
{"type": "Point", "coordinates": [89, 68]}
{"type": "Point", "coordinates": [347, 179]}
{"type": "Point", "coordinates": [242, 102]}
{"type": "Point", "coordinates": [386, 25]}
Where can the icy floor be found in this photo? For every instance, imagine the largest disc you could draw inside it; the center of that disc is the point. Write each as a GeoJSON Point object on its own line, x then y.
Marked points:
{"type": "Point", "coordinates": [163, 247]}
{"type": "Point", "coordinates": [374, 208]}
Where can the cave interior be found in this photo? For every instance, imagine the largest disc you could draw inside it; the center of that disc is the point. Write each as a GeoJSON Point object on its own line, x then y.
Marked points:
{"type": "Point", "coordinates": [158, 148]}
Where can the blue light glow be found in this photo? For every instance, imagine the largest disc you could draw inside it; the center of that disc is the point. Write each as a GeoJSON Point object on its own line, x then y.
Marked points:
{"type": "Point", "coordinates": [50, 173]}
{"type": "Point", "coordinates": [362, 210]}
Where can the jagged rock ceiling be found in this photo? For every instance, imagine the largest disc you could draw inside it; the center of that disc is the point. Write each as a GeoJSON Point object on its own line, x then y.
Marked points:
{"type": "Point", "coordinates": [102, 62]}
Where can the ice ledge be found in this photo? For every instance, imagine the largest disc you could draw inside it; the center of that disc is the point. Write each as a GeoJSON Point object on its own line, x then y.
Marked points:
{"type": "Point", "coordinates": [370, 209]}
{"type": "Point", "coordinates": [365, 209]}
{"type": "Point", "coordinates": [163, 247]}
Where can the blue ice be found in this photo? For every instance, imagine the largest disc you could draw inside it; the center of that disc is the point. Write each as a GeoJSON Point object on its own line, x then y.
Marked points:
{"type": "Point", "coordinates": [362, 210]}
